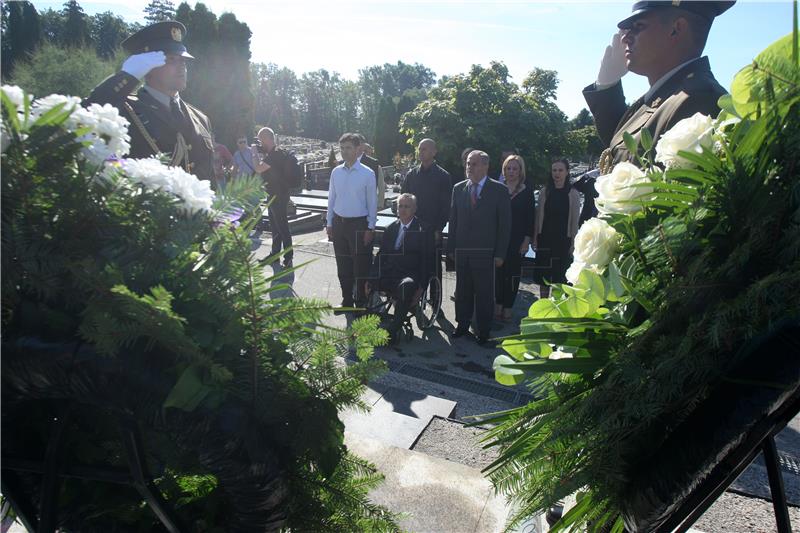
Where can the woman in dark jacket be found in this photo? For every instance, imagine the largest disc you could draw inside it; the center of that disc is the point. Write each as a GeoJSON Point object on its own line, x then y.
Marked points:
{"type": "Point", "coordinates": [555, 227]}
{"type": "Point", "coordinates": [506, 278]}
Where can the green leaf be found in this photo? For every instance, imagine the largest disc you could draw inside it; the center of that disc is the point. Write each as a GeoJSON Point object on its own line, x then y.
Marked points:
{"type": "Point", "coordinates": [574, 365]}
{"type": "Point", "coordinates": [595, 288]}
{"type": "Point", "coordinates": [615, 290]}
{"type": "Point", "coordinates": [505, 375]}
{"type": "Point", "coordinates": [647, 139]}
{"type": "Point", "coordinates": [630, 143]}
{"type": "Point", "coordinates": [189, 391]}
{"type": "Point", "coordinates": [544, 308]}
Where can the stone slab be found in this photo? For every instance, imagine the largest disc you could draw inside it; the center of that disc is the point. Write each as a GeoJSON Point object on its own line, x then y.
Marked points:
{"type": "Point", "coordinates": [436, 495]}
{"type": "Point", "coordinates": [397, 416]}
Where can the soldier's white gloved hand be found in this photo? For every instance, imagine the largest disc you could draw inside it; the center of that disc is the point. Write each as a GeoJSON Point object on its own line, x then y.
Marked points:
{"type": "Point", "coordinates": [614, 64]}
{"type": "Point", "coordinates": [139, 65]}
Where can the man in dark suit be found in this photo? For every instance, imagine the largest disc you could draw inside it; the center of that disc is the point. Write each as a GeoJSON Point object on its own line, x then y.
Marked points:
{"type": "Point", "coordinates": [365, 156]}
{"type": "Point", "coordinates": [160, 121]}
{"type": "Point", "coordinates": [662, 40]}
{"type": "Point", "coordinates": [404, 261]}
{"type": "Point", "coordinates": [480, 224]}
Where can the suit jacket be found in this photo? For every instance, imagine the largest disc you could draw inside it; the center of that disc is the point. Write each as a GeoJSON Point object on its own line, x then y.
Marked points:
{"type": "Point", "coordinates": [690, 90]}
{"type": "Point", "coordinates": [159, 123]}
{"type": "Point", "coordinates": [414, 259]}
{"type": "Point", "coordinates": [485, 229]}
{"type": "Point", "coordinates": [380, 184]}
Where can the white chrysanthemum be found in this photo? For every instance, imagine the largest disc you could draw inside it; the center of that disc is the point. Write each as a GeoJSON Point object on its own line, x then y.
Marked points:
{"type": "Point", "coordinates": [15, 94]}
{"type": "Point", "coordinates": [195, 195]}
{"type": "Point", "coordinates": [41, 106]}
{"type": "Point", "coordinates": [108, 135]}
{"type": "Point", "coordinates": [619, 191]}
{"type": "Point", "coordinates": [596, 243]}
{"type": "Point", "coordinates": [689, 135]}
{"type": "Point", "coordinates": [150, 173]}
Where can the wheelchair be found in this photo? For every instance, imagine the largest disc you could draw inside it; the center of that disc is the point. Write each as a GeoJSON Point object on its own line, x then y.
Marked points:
{"type": "Point", "coordinates": [425, 310]}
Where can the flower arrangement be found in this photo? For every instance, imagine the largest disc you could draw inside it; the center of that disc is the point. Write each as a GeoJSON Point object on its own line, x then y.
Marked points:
{"type": "Point", "coordinates": [694, 261]}
{"type": "Point", "coordinates": [130, 294]}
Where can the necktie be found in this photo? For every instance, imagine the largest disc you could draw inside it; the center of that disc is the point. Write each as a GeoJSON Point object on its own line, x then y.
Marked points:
{"type": "Point", "coordinates": [474, 194]}
{"type": "Point", "coordinates": [175, 108]}
{"type": "Point", "coordinates": [400, 235]}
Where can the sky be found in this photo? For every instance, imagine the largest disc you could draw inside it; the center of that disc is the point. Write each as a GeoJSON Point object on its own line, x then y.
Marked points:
{"type": "Point", "coordinates": [449, 36]}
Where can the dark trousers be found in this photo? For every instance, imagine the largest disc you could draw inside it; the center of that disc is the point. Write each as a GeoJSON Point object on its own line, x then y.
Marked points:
{"type": "Point", "coordinates": [506, 281]}
{"type": "Point", "coordinates": [279, 225]}
{"type": "Point", "coordinates": [353, 259]}
{"type": "Point", "coordinates": [475, 290]}
{"type": "Point", "coordinates": [402, 291]}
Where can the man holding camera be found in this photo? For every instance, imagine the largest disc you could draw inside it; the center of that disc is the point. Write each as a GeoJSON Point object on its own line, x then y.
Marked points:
{"type": "Point", "coordinates": [276, 169]}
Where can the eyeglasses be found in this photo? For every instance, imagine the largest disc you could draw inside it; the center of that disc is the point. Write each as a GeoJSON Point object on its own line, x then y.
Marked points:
{"type": "Point", "coordinates": [241, 142]}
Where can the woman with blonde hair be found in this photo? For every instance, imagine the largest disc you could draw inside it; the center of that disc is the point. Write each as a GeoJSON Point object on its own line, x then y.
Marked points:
{"type": "Point", "coordinates": [507, 276]}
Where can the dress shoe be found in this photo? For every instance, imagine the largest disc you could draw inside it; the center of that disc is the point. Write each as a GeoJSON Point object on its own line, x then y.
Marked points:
{"type": "Point", "coordinates": [485, 342]}
{"type": "Point", "coordinates": [460, 331]}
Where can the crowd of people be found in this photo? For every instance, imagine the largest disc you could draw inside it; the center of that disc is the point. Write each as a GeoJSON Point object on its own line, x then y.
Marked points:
{"type": "Point", "coordinates": [492, 221]}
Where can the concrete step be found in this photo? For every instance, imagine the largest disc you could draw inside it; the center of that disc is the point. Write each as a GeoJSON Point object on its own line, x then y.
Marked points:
{"type": "Point", "coordinates": [438, 496]}
{"type": "Point", "coordinates": [397, 416]}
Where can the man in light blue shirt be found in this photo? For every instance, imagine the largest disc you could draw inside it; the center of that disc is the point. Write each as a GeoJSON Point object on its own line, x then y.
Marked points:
{"type": "Point", "coordinates": [351, 218]}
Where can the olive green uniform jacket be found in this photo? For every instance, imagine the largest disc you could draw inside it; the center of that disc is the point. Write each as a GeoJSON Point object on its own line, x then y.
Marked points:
{"type": "Point", "coordinates": [196, 155]}
{"type": "Point", "coordinates": [690, 90]}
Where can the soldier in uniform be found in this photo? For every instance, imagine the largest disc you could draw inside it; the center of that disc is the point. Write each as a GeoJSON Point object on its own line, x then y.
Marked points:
{"type": "Point", "coordinates": [160, 121]}
{"type": "Point", "coordinates": [664, 41]}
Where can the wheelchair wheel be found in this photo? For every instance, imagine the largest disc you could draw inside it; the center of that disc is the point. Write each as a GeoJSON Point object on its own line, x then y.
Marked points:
{"type": "Point", "coordinates": [429, 305]}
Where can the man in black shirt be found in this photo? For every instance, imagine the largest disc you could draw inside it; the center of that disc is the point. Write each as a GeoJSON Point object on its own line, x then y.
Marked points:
{"type": "Point", "coordinates": [432, 186]}
{"type": "Point", "coordinates": [276, 172]}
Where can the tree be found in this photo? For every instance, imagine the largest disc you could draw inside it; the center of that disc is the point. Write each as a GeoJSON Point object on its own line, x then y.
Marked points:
{"type": "Point", "coordinates": [159, 10]}
{"type": "Point", "coordinates": [76, 25]}
{"type": "Point", "coordinates": [276, 94]}
{"type": "Point", "coordinates": [582, 119]}
{"type": "Point", "coordinates": [484, 109]}
{"type": "Point", "coordinates": [219, 78]}
{"type": "Point", "coordinates": [108, 31]}
{"type": "Point", "coordinates": [53, 69]}
{"type": "Point", "coordinates": [52, 25]}
{"type": "Point", "coordinates": [380, 81]}
{"type": "Point", "coordinates": [541, 84]}
{"type": "Point", "coordinates": [22, 32]}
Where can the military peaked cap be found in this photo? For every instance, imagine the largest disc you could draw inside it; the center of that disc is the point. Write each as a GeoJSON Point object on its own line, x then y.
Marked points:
{"type": "Point", "coordinates": [707, 10]}
{"type": "Point", "coordinates": [164, 36]}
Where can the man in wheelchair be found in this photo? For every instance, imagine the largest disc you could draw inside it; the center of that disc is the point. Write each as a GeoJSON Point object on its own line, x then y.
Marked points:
{"type": "Point", "coordinates": [404, 263]}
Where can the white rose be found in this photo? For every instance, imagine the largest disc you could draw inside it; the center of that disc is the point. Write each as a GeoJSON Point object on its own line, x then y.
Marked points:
{"type": "Point", "coordinates": [596, 243]}
{"type": "Point", "coordinates": [616, 191]}
{"type": "Point", "coordinates": [689, 135]}
{"type": "Point", "coordinates": [574, 271]}
{"type": "Point", "coordinates": [15, 94]}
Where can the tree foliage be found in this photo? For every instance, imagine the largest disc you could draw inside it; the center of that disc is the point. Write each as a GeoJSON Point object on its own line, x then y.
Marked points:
{"type": "Point", "coordinates": [51, 67]}
{"type": "Point", "coordinates": [219, 77]}
{"type": "Point", "coordinates": [159, 11]}
{"type": "Point", "coordinates": [21, 30]}
{"type": "Point", "coordinates": [484, 109]}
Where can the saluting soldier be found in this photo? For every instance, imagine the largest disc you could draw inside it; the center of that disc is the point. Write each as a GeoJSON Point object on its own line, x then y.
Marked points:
{"type": "Point", "coordinates": [160, 121]}
{"type": "Point", "coordinates": [663, 40]}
